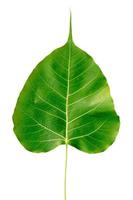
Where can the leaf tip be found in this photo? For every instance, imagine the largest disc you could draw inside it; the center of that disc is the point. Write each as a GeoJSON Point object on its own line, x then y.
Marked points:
{"type": "Point", "coordinates": [70, 38]}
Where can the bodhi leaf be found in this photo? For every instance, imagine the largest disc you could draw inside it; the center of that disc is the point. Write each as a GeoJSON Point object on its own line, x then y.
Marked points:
{"type": "Point", "coordinates": [66, 100]}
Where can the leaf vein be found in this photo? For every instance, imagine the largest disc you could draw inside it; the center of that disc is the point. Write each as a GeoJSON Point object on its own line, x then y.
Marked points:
{"type": "Point", "coordinates": [87, 84]}
{"type": "Point", "coordinates": [43, 125]}
{"type": "Point", "coordinates": [86, 112]}
{"type": "Point", "coordinates": [52, 88]}
{"type": "Point", "coordinates": [50, 113]}
{"type": "Point", "coordinates": [50, 104]}
{"type": "Point", "coordinates": [85, 135]}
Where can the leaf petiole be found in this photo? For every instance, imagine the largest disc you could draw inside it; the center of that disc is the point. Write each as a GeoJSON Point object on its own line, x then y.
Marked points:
{"type": "Point", "coordinates": [65, 175]}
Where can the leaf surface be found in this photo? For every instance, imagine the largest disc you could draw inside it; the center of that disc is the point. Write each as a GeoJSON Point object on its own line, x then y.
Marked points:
{"type": "Point", "coordinates": [66, 100]}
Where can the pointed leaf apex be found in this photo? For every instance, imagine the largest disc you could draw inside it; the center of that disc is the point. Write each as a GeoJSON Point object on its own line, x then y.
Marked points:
{"type": "Point", "coordinates": [70, 39]}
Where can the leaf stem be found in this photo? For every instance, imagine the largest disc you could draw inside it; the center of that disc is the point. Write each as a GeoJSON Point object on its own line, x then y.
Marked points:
{"type": "Point", "coordinates": [65, 175]}
{"type": "Point", "coordinates": [67, 111]}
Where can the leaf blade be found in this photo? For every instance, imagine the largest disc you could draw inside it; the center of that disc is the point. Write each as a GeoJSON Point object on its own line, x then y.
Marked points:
{"type": "Point", "coordinates": [66, 99]}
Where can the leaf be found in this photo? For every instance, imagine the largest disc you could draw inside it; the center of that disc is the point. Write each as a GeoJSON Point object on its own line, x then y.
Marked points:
{"type": "Point", "coordinates": [66, 100]}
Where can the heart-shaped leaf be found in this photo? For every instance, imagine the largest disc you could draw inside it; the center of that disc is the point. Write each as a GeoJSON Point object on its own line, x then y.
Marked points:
{"type": "Point", "coordinates": [66, 100]}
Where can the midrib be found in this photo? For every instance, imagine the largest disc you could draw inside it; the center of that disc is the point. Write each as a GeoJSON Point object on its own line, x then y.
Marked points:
{"type": "Point", "coordinates": [67, 96]}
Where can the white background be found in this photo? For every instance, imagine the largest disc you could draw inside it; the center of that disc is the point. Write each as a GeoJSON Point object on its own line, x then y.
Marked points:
{"type": "Point", "coordinates": [29, 30]}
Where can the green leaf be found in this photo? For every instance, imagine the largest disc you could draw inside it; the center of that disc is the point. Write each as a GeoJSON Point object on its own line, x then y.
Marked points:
{"type": "Point", "coordinates": [66, 100]}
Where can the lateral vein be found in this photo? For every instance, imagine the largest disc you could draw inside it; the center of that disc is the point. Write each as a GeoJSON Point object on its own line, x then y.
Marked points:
{"type": "Point", "coordinates": [85, 135]}
{"type": "Point", "coordinates": [43, 125]}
